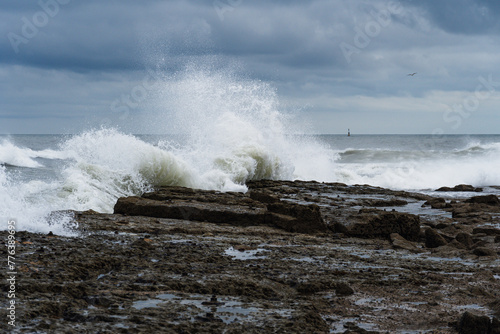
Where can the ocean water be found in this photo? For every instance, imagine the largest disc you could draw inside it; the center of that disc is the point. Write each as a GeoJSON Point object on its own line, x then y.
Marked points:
{"type": "Point", "coordinates": [228, 131]}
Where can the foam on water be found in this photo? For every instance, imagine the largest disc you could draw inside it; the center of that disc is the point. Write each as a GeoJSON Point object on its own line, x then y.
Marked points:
{"type": "Point", "coordinates": [234, 132]}
{"type": "Point", "coordinates": [12, 155]}
{"type": "Point", "coordinates": [475, 164]}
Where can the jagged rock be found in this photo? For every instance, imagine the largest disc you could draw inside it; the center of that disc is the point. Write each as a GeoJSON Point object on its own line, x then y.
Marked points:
{"type": "Point", "coordinates": [222, 208]}
{"type": "Point", "coordinates": [472, 211]}
{"type": "Point", "coordinates": [343, 289]}
{"type": "Point", "coordinates": [433, 239]}
{"type": "Point", "coordinates": [461, 187]}
{"type": "Point", "coordinates": [465, 239]}
{"type": "Point", "coordinates": [486, 230]}
{"type": "Point", "coordinates": [377, 223]}
{"type": "Point", "coordinates": [399, 242]}
{"type": "Point", "coordinates": [474, 324]}
{"type": "Point", "coordinates": [436, 203]}
{"type": "Point", "coordinates": [487, 199]}
{"type": "Point", "coordinates": [484, 251]}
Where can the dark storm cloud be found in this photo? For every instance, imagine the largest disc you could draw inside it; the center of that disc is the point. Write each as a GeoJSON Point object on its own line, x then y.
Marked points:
{"type": "Point", "coordinates": [461, 16]}
{"type": "Point", "coordinates": [73, 56]}
{"type": "Point", "coordinates": [99, 35]}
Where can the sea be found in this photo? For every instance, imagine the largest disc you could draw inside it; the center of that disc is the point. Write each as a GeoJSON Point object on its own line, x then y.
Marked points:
{"type": "Point", "coordinates": [43, 174]}
{"type": "Point", "coordinates": [223, 131]}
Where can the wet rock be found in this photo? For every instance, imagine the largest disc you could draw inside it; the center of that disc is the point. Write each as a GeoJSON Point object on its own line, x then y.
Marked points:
{"type": "Point", "coordinates": [343, 289]}
{"type": "Point", "coordinates": [486, 231]}
{"type": "Point", "coordinates": [495, 326]}
{"type": "Point", "coordinates": [491, 200]}
{"type": "Point", "coordinates": [223, 208]}
{"type": "Point", "coordinates": [461, 187]}
{"type": "Point", "coordinates": [465, 239]}
{"type": "Point", "coordinates": [141, 243]}
{"type": "Point", "coordinates": [433, 239]}
{"type": "Point", "coordinates": [263, 197]}
{"type": "Point", "coordinates": [495, 306]}
{"type": "Point", "coordinates": [305, 218]}
{"type": "Point", "coordinates": [381, 203]}
{"type": "Point", "coordinates": [399, 242]}
{"type": "Point", "coordinates": [309, 321]}
{"type": "Point", "coordinates": [484, 251]}
{"type": "Point", "coordinates": [381, 224]}
{"type": "Point", "coordinates": [436, 203]}
{"type": "Point", "coordinates": [352, 328]}
{"type": "Point", "coordinates": [474, 324]}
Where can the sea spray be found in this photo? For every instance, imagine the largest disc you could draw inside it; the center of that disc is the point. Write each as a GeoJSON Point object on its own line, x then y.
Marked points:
{"type": "Point", "coordinates": [232, 131]}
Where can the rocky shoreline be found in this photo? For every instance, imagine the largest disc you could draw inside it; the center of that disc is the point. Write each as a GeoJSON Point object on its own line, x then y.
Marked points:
{"type": "Point", "coordinates": [285, 257]}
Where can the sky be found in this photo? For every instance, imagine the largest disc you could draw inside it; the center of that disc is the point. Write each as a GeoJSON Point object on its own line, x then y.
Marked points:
{"type": "Point", "coordinates": [71, 65]}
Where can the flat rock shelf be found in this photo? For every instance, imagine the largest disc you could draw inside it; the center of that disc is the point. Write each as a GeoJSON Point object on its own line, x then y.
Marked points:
{"type": "Point", "coordinates": [285, 257]}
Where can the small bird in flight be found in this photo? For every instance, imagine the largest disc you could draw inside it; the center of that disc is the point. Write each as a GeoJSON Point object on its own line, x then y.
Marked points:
{"type": "Point", "coordinates": [412, 74]}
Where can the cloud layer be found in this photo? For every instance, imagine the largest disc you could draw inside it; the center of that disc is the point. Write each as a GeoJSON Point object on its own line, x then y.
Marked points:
{"type": "Point", "coordinates": [338, 64]}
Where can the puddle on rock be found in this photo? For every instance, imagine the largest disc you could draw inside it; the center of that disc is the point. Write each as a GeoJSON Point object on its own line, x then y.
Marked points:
{"type": "Point", "coordinates": [245, 254]}
{"type": "Point", "coordinates": [227, 309]}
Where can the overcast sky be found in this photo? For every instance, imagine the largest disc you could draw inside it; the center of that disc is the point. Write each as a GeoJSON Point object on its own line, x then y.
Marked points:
{"type": "Point", "coordinates": [69, 65]}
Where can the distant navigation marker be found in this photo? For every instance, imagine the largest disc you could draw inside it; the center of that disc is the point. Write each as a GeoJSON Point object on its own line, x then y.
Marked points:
{"type": "Point", "coordinates": [348, 132]}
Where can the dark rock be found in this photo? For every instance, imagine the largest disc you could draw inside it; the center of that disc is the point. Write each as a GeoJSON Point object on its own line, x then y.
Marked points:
{"type": "Point", "coordinates": [306, 218]}
{"type": "Point", "coordinates": [436, 203]}
{"type": "Point", "coordinates": [487, 199]}
{"type": "Point", "coordinates": [460, 187]}
{"type": "Point", "coordinates": [495, 307]}
{"type": "Point", "coordinates": [399, 242]}
{"type": "Point", "coordinates": [495, 326]}
{"type": "Point", "coordinates": [343, 289]}
{"type": "Point", "coordinates": [223, 208]}
{"type": "Point", "coordinates": [141, 243]}
{"type": "Point", "coordinates": [484, 251]}
{"type": "Point", "coordinates": [433, 239]}
{"type": "Point", "coordinates": [263, 197]}
{"type": "Point", "coordinates": [465, 239]}
{"type": "Point", "coordinates": [474, 324]}
{"type": "Point", "coordinates": [382, 224]}
{"type": "Point", "coordinates": [486, 231]}
{"type": "Point", "coordinates": [381, 203]}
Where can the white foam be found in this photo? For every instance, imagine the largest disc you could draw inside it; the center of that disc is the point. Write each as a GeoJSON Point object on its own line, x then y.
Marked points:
{"type": "Point", "coordinates": [234, 133]}
{"type": "Point", "coordinates": [477, 164]}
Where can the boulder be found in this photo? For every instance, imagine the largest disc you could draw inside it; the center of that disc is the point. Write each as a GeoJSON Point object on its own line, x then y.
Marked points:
{"type": "Point", "coordinates": [381, 224]}
{"type": "Point", "coordinates": [491, 200]}
{"type": "Point", "coordinates": [465, 239]}
{"type": "Point", "coordinates": [436, 203]}
{"type": "Point", "coordinates": [484, 251]}
{"type": "Point", "coordinates": [460, 187]}
{"type": "Point", "coordinates": [433, 239]}
{"type": "Point", "coordinates": [343, 289]}
{"type": "Point", "coordinates": [474, 324]}
{"type": "Point", "coordinates": [486, 230]}
{"type": "Point", "coordinates": [399, 242]}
